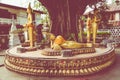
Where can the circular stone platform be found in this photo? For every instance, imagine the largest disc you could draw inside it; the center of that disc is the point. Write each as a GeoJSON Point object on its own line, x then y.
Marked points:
{"type": "Point", "coordinates": [34, 63]}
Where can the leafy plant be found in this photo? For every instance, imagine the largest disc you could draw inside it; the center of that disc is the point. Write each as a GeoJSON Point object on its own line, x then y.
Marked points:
{"type": "Point", "coordinates": [17, 31]}
{"type": "Point", "coordinates": [100, 33]}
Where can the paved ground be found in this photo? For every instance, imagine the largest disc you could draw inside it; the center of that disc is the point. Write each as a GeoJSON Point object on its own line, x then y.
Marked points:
{"type": "Point", "coordinates": [2, 53]}
{"type": "Point", "coordinates": [111, 73]}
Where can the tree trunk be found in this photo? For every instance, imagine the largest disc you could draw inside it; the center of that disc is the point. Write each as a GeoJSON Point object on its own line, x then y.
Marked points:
{"type": "Point", "coordinates": [64, 14]}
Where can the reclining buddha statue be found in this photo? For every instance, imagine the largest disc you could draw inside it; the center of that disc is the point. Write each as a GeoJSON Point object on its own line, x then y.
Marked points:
{"type": "Point", "coordinates": [60, 43]}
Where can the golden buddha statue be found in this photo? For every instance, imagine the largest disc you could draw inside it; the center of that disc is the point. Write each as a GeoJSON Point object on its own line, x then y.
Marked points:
{"type": "Point", "coordinates": [30, 26]}
{"type": "Point", "coordinates": [89, 27]}
{"type": "Point", "coordinates": [60, 43]}
{"type": "Point", "coordinates": [95, 21]}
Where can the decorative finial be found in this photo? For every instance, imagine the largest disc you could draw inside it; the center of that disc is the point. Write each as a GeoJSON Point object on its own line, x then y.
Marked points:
{"type": "Point", "coordinates": [29, 7]}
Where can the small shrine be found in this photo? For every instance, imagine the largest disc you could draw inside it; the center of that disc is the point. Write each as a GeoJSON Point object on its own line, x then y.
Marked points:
{"type": "Point", "coordinates": [14, 37]}
{"type": "Point", "coordinates": [61, 57]}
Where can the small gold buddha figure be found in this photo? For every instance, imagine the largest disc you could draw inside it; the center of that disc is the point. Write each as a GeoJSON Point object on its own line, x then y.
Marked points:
{"type": "Point", "coordinates": [95, 21]}
{"type": "Point", "coordinates": [30, 26]}
{"type": "Point", "coordinates": [89, 27]}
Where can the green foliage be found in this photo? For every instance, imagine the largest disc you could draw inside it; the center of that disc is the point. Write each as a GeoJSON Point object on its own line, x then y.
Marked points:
{"type": "Point", "coordinates": [71, 37]}
{"type": "Point", "coordinates": [38, 6]}
{"type": "Point", "coordinates": [99, 33]}
{"type": "Point", "coordinates": [17, 31]}
{"type": "Point", "coordinates": [43, 41]}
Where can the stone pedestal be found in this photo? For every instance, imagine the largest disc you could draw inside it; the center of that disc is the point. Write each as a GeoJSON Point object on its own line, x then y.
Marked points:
{"type": "Point", "coordinates": [34, 63]}
{"type": "Point", "coordinates": [66, 53]}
